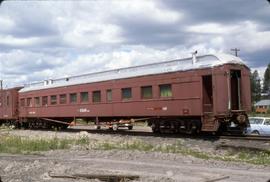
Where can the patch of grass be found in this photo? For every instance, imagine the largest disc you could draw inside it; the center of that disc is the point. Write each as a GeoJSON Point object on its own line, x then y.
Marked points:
{"type": "Point", "coordinates": [144, 146]}
{"type": "Point", "coordinates": [261, 157]}
{"type": "Point", "coordinates": [248, 155]}
{"type": "Point", "coordinates": [22, 145]}
{"type": "Point", "coordinates": [126, 145]}
{"type": "Point", "coordinates": [16, 144]}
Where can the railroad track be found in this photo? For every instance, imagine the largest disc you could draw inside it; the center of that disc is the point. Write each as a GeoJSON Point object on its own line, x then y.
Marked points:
{"type": "Point", "coordinates": [141, 132]}
{"type": "Point", "coordinates": [249, 137]}
{"type": "Point", "coordinates": [169, 135]}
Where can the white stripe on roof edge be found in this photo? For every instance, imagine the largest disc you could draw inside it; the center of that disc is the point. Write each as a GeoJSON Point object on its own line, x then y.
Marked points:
{"type": "Point", "coordinates": [204, 61]}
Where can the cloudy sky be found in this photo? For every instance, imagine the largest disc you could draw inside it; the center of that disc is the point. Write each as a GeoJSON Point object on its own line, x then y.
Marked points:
{"type": "Point", "coordinates": [51, 39]}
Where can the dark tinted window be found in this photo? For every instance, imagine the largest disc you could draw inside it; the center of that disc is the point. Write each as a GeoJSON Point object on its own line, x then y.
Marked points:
{"type": "Point", "coordinates": [84, 96]}
{"type": "Point", "coordinates": [96, 96]}
{"type": "Point", "coordinates": [63, 98]}
{"type": "Point", "coordinates": [44, 100]}
{"type": "Point", "coordinates": [22, 102]}
{"type": "Point", "coordinates": [146, 92]}
{"type": "Point", "coordinates": [109, 95]}
{"type": "Point", "coordinates": [37, 101]}
{"type": "Point", "coordinates": [126, 93]}
{"type": "Point", "coordinates": [53, 99]}
{"type": "Point", "coordinates": [165, 90]}
{"type": "Point", "coordinates": [73, 98]}
{"type": "Point", "coordinates": [29, 102]}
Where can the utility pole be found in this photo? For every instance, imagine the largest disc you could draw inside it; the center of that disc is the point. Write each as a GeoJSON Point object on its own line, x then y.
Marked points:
{"type": "Point", "coordinates": [235, 51]}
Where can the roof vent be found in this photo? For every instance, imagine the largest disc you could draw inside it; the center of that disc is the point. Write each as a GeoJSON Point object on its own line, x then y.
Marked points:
{"type": "Point", "coordinates": [45, 82]}
{"type": "Point", "coordinates": [194, 58]}
{"type": "Point", "coordinates": [50, 81]}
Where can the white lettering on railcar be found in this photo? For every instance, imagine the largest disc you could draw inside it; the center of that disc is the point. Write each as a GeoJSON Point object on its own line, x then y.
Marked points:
{"type": "Point", "coordinates": [84, 110]}
{"type": "Point", "coordinates": [32, 112]}
{"type": "Point", "coordinates": [164, 108]}
{"type": "Point", "coordinates": [157, 108]}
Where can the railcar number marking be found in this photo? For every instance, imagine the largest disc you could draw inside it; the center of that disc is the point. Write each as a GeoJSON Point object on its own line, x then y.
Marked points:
{"type": "Point", "coordinates": [157, 108]}
{"type": "Point", "coordinates": [84, 110]}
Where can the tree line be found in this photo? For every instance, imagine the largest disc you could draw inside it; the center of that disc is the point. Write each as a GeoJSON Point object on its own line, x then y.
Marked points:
{"type": "Point", "coordinates": [260, 91]}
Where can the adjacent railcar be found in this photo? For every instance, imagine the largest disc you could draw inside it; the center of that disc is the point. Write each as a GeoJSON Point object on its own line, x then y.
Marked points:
{"type": "Point", "coordinates": [9, 110]}
{"type": "Point", "coordinates": [205, 93]}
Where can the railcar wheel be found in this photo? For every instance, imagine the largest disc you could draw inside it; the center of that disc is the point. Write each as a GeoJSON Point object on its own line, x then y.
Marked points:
{"type": "Point", "coordinates": [155, 128]}
{"type": "Point", "coordinates": [64, 126]}
{"type": "Point", "coordinates": [191, 127]}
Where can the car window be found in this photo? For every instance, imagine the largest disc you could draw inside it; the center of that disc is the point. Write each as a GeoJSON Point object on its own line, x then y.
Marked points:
{"type": "Point", "coordinates": [267, 122]}
{"type": "Point", "coordinates": [255, 121]}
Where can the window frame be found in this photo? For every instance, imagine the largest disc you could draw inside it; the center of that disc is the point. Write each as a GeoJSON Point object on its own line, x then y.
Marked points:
{"type": "Point", "coordinates": [160, 90]}
{"type": "Point", "coordinates": [143, 89]}
{"type": "Point", "coordinates": [94, 96]}
{"type": "Point", "coordinates": [109, 97]}
{"type": "Point", "coordinates": [81, 97]}
{"type": "Point", "coordinates": [22, 102]}
{"type": "Point", "coordinates": [35, 101]}
{"type": "Point", "coordinates": [43, 99]}
{"type": "Point", "coordinates": [72, 100]}
{"type": "Point", "coordinates": [61, 99]}
{"type": "Point", "coordinates": [29, 102]}
{"type": "Point", "coordinates": [54, 100]}
{"type": "Point", "coordinates": [266, 122]}
{"type": "Point", "coordinates": [123, 94]}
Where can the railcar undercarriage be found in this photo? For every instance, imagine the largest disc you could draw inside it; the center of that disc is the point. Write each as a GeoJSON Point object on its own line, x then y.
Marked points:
{"type": "Point", "coordinates": [235, 122]}
{"type": "Point", "coordinates": [175, 125]}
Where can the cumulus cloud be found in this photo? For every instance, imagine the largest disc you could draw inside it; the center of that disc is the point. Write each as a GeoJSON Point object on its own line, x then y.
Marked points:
{"type": "Point", "coordinates": [245, 35]}
{"type": "Point", "coordinates": [51, 39]}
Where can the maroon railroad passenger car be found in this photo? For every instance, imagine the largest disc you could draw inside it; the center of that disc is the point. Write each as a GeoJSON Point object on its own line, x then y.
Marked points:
{"type": "Point", "coordinates": [9, 110]}
{"type": "Point", "coordinates": [204, 93]}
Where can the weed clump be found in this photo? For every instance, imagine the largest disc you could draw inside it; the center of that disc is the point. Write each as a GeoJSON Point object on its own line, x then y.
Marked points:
{"type": "Point", "coordinates": [24, 145]}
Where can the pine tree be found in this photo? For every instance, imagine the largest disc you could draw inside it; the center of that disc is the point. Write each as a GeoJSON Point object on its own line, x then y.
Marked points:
{"type": "Point", "coordinates": [266, 81]}
{"type": "Point", "coordinates": [255, 87]}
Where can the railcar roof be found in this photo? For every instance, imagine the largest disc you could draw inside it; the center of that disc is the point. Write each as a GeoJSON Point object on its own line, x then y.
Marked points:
{"type": "Point", "coordinates": [205, 61]}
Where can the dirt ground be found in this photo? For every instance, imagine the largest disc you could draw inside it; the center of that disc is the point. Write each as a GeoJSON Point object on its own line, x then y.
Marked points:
{"type": "Point", "coordinates": [63, 165]}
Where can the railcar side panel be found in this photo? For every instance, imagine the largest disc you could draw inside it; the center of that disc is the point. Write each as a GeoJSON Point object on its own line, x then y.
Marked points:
{"type": "Point", "coordinates": [204, 99]}
{"type": "Point", "coordinates": [185, 99]}
{"type": "Point", "coordinates": [9, 104]}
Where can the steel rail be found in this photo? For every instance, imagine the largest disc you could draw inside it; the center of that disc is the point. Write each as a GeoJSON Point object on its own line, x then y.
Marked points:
{"type": "Point", "coordinates": [248, 137]}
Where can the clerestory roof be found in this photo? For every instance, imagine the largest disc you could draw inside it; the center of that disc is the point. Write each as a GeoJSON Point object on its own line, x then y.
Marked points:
{"type": "Point", "coordinates": [205, 61]}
